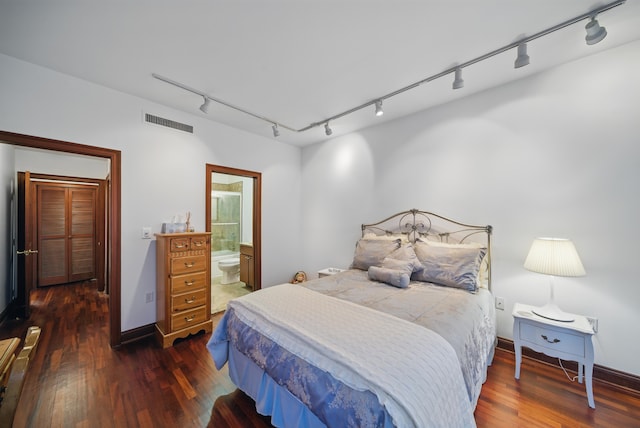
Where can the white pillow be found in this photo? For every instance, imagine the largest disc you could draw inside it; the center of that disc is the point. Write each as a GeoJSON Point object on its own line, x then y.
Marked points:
{"type": "Point", "coordinates": [401, 236]}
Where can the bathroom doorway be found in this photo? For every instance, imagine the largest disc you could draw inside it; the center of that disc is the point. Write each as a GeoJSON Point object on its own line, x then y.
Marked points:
{"type": "Point", "coordinates": [233, 209]}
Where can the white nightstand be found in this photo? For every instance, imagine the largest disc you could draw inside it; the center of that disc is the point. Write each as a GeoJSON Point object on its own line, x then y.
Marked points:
{"type": "Point", "coordinates": [570, 341]}
{"type": "Point", "coordinates": [329, 271]}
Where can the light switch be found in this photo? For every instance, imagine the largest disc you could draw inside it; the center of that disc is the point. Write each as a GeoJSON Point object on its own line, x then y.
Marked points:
{"type": "Point", "coordinates": [146, 232]}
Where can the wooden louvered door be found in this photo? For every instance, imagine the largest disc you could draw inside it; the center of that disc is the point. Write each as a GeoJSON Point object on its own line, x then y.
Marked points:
{"type": "Point", "coordinates": [66, 232]}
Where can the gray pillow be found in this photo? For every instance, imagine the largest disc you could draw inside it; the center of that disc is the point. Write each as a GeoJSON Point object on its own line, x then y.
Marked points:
{"type": "Point", "coordinates": [406, 266]}
{"type": "Point", "coordinates": [371, 252]}
{"type": "Point", "coordinates": [397, 278]}
{"type": "Point", "coordinates": [406, 254]}
{"type": "Point", "coordinates": [451, 267]}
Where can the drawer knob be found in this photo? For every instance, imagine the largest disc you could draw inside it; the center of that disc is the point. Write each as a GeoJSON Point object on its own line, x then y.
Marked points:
{"type": "Point", "coordinates": [189, 319]}
{"type": "Point", "coordinates": [190, 300]}
{"type": "Point", "coordinates": [179, 246]}
{"type": "Point", "coordinates": [556, 340]}
{"type": "Point", "coordinates": [189, 283]}
{"type": "Point", "coordinates": [189, 264]}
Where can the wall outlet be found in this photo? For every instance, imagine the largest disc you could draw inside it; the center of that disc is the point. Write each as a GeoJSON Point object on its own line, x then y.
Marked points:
{"type": "Point", "coordinates": [594, 323]}
{"type": "Point", "coordinates": [146, 232]}
{"type": "Point", "coordinates": [148, 297]}
{"type": "Point", "coordinates": [500, 303]}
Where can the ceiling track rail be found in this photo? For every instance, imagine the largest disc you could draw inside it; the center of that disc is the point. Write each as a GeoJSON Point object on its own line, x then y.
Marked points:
{"type": "Point", "coordinates": [591, 14]}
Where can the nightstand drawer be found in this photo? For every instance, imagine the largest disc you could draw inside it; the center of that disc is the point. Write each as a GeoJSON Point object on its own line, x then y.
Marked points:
{"type": "Point", "coordinates": [552, 339]}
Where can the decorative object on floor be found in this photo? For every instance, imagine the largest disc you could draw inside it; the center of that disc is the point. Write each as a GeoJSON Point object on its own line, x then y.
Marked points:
{"type": "Point", "coordinates": [299, 277]}
{"type": "Point", "coordinates": [554, 257]}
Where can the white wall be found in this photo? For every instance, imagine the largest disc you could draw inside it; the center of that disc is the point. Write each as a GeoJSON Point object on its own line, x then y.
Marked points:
{"type": "Point", "coordinates": [163, 170]}
{"type": "Point", "coordinates": [555, 154]}
{"type": "Point", "coordinates": [58, 163]}
{"type": "Point", "coordinates": [7, 189]}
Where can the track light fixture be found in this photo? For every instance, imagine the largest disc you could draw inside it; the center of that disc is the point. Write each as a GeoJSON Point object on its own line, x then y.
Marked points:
{"type": "Point", "coordinates": [205, 106]}
{"type": "Point", "coordinates": [379, 111]}
{"type": "Point", "coordinates": [523, 57]}
{"type": "Point", "coordinates": [595, 33]}
{"type": "Point", "coordinates": [458, 82]}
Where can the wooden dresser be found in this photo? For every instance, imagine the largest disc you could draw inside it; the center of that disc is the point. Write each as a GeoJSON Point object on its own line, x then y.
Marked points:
{"type": "Point", "coordinates": [183, 285]}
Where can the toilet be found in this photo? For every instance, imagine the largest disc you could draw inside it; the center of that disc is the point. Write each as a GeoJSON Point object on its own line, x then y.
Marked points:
{"type": "Point", "coordinates": [230, 270]}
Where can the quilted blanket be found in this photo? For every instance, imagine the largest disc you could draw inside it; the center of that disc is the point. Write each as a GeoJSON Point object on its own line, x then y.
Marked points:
{"type": "Point", "coordinates": [412, 370]}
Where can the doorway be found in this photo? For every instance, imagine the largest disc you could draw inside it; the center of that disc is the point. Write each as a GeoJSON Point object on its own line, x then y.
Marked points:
{"type": "Point", "coordinates": [69, 227]}
{"type": "Point", "coordinates": [113, 198]}
{"type": "Point", "coordinates": [233, 213]}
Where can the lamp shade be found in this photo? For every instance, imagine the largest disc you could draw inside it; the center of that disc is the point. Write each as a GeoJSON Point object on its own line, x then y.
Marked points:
{"type": "Point", "coordinates": [554, 256]}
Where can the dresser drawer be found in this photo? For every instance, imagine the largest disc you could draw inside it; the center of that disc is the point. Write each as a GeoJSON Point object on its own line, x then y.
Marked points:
{"type": "Point", "coordinates": [179, 244]}
{"type": "Point", "coordinates": [554, 340]}
{"type": "Point", "coordinates": [189, 282]}
{"type": "Point", "coordinates": [183, 302]}
{"type": "Point", "coordinates": [182, 265]}
{"type": "Point", "coordinates": [198, 243]}
{"type": "Point", "coordinates": [185, 319]}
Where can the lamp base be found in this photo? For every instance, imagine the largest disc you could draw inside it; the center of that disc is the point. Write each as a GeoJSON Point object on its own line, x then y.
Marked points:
{"type": "Point", "coordinates": [552, 312]}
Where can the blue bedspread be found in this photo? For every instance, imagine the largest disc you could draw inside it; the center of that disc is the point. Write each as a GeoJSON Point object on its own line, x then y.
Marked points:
{"type": "Point", "coordinates": [334, 403]}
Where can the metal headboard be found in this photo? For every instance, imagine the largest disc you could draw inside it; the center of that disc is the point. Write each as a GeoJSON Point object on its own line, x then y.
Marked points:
{"type": "Point", "coordinates": [416, 224]}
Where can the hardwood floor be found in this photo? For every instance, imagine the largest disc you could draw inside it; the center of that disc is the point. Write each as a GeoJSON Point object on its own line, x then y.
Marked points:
{"type": "Point", "coordinates": [77, 380]}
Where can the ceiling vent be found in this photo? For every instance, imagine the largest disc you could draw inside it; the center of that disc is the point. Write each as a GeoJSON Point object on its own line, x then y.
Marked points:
{"type": "Point", "coordinates": [157, 120]}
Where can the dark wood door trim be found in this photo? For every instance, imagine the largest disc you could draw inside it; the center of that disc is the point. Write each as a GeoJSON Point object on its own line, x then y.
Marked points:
{"type": "Point", "coordinates": [114, 202]}
{"type": "Point", "coordinates": [257, 212]}
{"type": "Point", "coordinates": [25, 261]}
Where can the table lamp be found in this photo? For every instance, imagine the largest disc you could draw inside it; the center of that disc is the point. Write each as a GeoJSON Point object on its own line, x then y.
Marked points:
{"type": "Point", "coordinates": [554, 257]}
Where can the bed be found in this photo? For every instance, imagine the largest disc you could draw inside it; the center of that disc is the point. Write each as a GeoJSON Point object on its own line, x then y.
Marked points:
{"type": "Point", "coordinates": [403, 338]}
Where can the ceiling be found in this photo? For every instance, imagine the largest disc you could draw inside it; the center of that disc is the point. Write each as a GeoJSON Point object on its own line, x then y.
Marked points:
{"type": "Point", "coordinates": [299, 62]}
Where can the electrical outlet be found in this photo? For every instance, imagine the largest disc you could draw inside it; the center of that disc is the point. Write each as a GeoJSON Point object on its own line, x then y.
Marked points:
{"type": "Point", "coordinates": [146, 232]}
{"type": "Point", "coordinates": [500, 303]}
{"type": "Point", "coordinates": [594, 323]}
{"type": "Point", "coordinates": [148, 297]}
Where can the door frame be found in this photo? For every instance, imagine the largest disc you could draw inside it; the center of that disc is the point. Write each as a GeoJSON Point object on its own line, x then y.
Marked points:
{"type": "Point", "coordinates": [256, 215]}
{"type": "Point", "coordinates": [114, 213]}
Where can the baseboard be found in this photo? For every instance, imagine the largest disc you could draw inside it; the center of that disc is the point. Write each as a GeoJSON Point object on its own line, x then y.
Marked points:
{"type": "Point", "coordinates": [604, 374]}
{"type": "Point", "coordinates": [138, 333]}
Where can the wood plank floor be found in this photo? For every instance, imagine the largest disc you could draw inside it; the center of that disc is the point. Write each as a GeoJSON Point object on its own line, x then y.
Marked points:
{"type": "Point", "coordinates": [77, 380]}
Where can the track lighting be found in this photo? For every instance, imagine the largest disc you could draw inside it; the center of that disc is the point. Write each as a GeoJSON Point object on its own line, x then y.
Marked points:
{"type": "Point", "coordinates": [205, 106]}
{"type": "Point", "coordinates": [595, 33]}
{"type": "Point", "coordinates": [458, 82]}
{"type": "Point", "coordinates": [379, 111]}
{"type": "Point", "coordinates": [523, 58]}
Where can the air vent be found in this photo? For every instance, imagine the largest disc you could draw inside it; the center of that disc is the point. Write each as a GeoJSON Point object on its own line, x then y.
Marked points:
{"type": "Point", "coordinates": [168, 123]}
